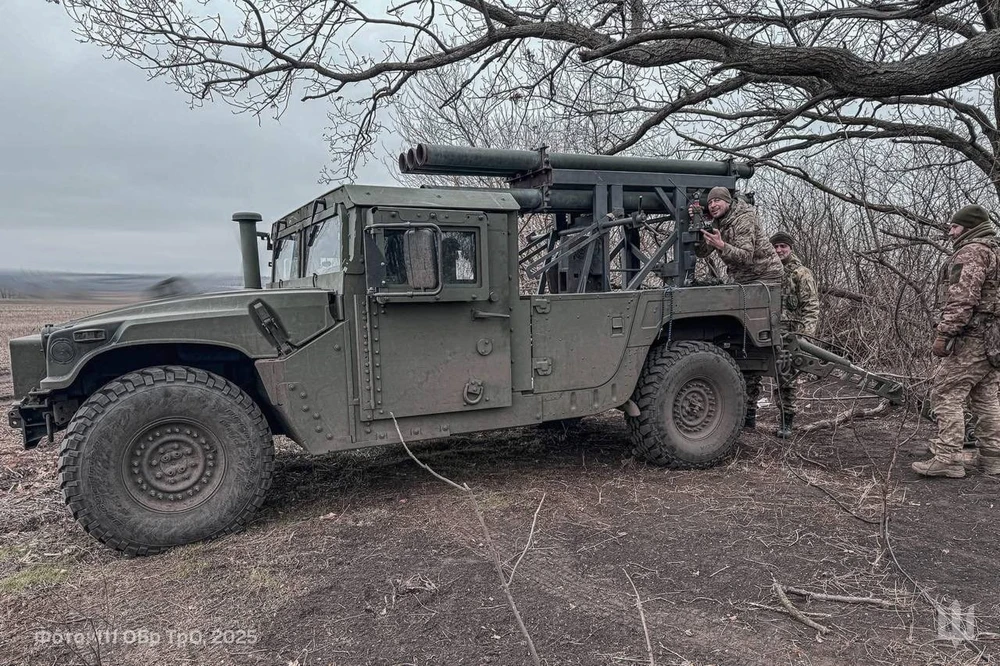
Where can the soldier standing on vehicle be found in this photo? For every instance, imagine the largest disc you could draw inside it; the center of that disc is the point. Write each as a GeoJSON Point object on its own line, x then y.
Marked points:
{"type": "Point", "coordinates": [747, 255]}
{"type": "Point", "coordinates": [799, 315]}
{"type": "Point", "coordinates": [968, 344]}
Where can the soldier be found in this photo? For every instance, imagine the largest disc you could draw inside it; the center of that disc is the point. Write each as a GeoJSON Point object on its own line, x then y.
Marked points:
{"type": "Point", "coordinates": [966, 343]}
{"type": "Point", "coordinates": [739, 241]}
{"type": "Point", "coordinates": [747, 255]}
{"type": "Point", "coordinates": [799, 314]}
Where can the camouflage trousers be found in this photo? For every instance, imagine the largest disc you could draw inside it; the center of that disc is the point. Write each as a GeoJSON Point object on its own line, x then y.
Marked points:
{"type": "Point", "coordinates": [754, 383]}
{"type": "Point", "coordinates": [788, 393]}
{"type": "Point", "coordinates": [966, 375]}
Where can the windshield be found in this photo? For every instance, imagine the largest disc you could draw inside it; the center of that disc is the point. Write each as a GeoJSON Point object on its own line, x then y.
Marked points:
{"type": "Point", "coordinates": [286, 258]}
{"type": "Point", "coordinates": [323, 253]}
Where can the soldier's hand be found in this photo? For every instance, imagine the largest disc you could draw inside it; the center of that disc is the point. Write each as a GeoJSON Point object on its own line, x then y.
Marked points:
{"type": "Point", "coordinates": [941, 347]}
{"type": "Point", "coordinates": [713, 238]}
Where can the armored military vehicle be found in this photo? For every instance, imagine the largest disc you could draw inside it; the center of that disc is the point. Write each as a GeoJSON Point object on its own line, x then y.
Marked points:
{"type": "Point", "coordinates": [391, 305]}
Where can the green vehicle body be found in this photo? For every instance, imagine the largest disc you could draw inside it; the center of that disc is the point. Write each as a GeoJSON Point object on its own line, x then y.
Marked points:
{"type": "Point", "coordinates": [475, 357]}
{"type": "Point", "coordinates": [400, 306]}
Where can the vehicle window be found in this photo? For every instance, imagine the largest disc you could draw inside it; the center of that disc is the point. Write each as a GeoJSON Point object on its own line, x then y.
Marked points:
{"type": "Point", "coordinates": [395, 262]}
{"type": "Point", "coordinates": [459, 257]}
{"type": "Point", "coordinates": [286, 258]}
{"type": "Point", "coordinates": [323, 247]}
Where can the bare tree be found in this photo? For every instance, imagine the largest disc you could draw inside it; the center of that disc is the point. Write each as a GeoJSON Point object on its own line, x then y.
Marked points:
{"type": "Point", "coordinates": [767, 79]}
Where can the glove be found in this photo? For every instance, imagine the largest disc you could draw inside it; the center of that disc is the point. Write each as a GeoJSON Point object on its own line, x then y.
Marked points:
{"type": "Point", "coordinates": [941, 347]}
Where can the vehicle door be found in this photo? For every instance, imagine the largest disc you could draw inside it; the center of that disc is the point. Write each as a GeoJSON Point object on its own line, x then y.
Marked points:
{"type": "Point", "coordinates": [434, 333]}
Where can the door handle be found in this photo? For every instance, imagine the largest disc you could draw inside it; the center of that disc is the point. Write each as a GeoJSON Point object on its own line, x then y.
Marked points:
{"type": "Point", "coordinates": [479, 314]}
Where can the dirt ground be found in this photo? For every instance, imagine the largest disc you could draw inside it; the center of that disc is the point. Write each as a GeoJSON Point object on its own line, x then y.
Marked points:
{"type": "Point", "coordinates": [364, 558]}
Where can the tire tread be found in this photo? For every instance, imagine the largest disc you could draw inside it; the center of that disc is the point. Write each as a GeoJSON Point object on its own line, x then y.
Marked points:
{"type": "Point", "coordinates": [92, 409]}
{"type": "Point", "coordinates": [647, 440]}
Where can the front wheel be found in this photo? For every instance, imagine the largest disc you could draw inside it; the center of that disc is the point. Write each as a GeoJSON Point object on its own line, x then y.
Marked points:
{"type": "Point", "coordinates": [165, 456]}
{"type": "Point", "coordinates": [691, 398]}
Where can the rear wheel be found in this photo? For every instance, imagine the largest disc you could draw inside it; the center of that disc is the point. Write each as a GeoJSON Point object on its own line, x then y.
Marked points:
{"type": "Point", "coordinates": [691, 398]}
{"type": "Point", "coordinates": [165, 456]}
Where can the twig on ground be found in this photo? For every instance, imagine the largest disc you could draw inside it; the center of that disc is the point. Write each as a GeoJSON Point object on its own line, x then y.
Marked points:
{"type": "Point", "coordinates": [494, 554]}
{"type": "Point", "coordinates": [837, 597]}
{"type": "Point", "coordinates": [642, 617]}
{"type": "Point", "coordinates": [783, 611]}
{"type": "Point", "coordinates": [811, 461]}
{"type": "Point", "coordinates": [795, 612]}
{"type": "Point", "coordinates": [844, 398]}
{"type": "Point", "coordinates": [851, 414]}
{"type": "Point", "coordinates": [531, 537]}
{"type": "Point", "coordinates": [833, 497]}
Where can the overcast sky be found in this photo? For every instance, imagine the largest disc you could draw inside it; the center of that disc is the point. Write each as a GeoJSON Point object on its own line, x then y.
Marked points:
{"type": "Point", "coordinates": [102, 170]}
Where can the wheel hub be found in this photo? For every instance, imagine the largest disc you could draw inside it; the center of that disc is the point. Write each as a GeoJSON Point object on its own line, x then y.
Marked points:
{"type": "Point", "coordinates": [695, 407]}
{"type": "Point", "coordinates": [173, 466]}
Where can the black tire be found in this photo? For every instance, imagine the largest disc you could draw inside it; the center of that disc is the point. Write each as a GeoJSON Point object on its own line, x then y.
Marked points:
{"type": "Point", "coordinates": [165, 456]}
{"type": "Point", "coordinates": [691, 398]}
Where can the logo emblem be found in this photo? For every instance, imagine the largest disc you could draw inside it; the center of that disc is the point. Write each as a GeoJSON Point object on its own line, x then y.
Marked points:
{"type": "Point", "coordinates": [956, 625]}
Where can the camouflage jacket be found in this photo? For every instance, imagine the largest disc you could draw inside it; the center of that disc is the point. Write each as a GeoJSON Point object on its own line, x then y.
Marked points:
{"type": "Point", "coordinates": [799, 298]}
{"type": "Point", "coordinates": [747, 253]}
{"type": "Point", "coordinates": [968, 284]}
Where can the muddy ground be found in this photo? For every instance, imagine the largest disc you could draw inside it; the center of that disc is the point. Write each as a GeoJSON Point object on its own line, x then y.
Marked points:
{"type": "Point", "coordinates": [364, 558]}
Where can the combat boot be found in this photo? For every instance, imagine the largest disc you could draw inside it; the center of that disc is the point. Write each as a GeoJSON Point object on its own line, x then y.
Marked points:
{"type": "Point", "coordinates": [784, 431]}
{"type": "Point", "coordinates": [989, 465]}
{"type": "Point", "coordinates": [935, 467]}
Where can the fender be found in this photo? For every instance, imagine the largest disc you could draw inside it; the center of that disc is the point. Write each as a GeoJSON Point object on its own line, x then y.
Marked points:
{"type": "Point", "coordinates": [228, 319]}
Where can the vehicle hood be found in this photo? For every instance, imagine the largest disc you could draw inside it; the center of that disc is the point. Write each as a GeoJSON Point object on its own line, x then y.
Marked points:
{"type": "Point", "coordinates": [229, 319]}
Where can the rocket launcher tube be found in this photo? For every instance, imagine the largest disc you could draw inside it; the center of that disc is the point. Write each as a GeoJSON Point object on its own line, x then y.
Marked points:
{"type": "Point", "coordinates": [465, 161]}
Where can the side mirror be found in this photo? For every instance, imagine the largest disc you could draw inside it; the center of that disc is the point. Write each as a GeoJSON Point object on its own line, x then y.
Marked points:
{"type": "Point", "coordinates": [266, 237]}
{"type": "Point", "coordinates": [420, 254]}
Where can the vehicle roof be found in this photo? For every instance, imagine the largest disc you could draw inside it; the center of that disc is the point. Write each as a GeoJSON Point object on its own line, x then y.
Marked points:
{"type": "Point", "coordinates": [419, 197]}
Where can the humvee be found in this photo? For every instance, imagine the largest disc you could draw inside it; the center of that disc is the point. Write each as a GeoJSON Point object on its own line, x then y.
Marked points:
{"type": "Point", "coordinates": [422, 307]}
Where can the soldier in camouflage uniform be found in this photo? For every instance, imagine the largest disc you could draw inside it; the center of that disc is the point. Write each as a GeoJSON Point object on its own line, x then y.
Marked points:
{"type": "Point", "coordinates": [748, 256]}
{"type": "Point", "coordinates": [799, 314]}
{"type": "Point", "coordinates": [967, 341]}
{"type": "Point", "coordinates": [739, 241]}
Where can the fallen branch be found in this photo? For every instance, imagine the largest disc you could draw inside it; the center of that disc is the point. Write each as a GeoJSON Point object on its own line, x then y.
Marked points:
{"type": "Point", "coordinates": [847, 415]}
{"type": "Point", "coordinates": [495, 555]}
{"type": "Point", "coordinates": [642, 617]}
{"type": "Point", "coordinates": [837, 597]}
{"type": "Point", "coordinates": [795, 612]}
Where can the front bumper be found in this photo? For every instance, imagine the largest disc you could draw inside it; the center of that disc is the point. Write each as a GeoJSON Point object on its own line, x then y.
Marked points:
{"type": "Point", "coordinates": [34, 418]}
